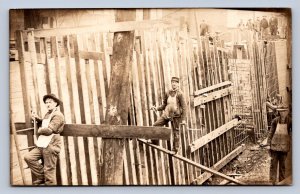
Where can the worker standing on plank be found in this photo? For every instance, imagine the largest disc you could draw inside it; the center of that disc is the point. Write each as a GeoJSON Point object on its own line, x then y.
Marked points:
{"type": "Point", "coordinates": [278, 141]}
{"type": "Point", "coordinates": [174, 108]}
{"type": "Point", "coordinates": [48, 143]}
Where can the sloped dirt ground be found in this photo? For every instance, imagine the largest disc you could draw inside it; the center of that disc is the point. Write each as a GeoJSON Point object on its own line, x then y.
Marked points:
{"type": "Point", "coordinates": [252, 167]}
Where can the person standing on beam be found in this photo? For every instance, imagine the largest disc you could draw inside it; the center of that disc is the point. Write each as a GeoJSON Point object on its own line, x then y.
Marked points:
{"type": "Point", "coordinates": [48, 143]}
{"type": "Point", "coordinates": [174, 110]}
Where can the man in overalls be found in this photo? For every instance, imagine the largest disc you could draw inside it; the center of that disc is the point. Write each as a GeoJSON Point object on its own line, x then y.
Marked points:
{"type": "Point", "coordinates": [174, 108]}
{"type": "Point", "coordinates": [278, 142]}
{"type": "Point", "coordinates": [48, 143]}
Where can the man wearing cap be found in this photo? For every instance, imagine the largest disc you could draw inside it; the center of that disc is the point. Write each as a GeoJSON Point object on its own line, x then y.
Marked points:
{"type": "Point", "coordinates": [174, 108]}
{"type": "Point", "coordinates": [278, 142]}
{"type": "Point", "coordinates": [48, 143]}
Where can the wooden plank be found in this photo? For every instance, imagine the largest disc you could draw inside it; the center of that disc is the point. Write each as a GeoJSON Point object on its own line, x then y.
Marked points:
{"type": "Point", "coordinates": [212, 135]}
{"type": "Point", "coordinates": [92, 43]}
{"type": "Point", "coordinates": [55, 55]}
{"type": "Point", "coordinates": [212, 96]}
{"type": "Point", "coordinates": [66, 46]}
{"type": "Point", "coordinates": [80, 95]}
{"type": "Point", "coordinates": [213, 87]}
{"type": "Point", "coordinates": [103, 62]}
{"type": "Point", "coordinates": [184, 152]}
{"type": "Point", "coordinates": [205, 176]}
{"type": "Point", "coordinates": [33, 59]}
{"type": "Point", "coordinates": [111, 131]}
{"type": "Point", "coordinates": [112, 27]}
{"type": "Point", "coordinates": [47, 73]}
{"type": "Point", "coordinates": [25, 95]}
{"type": "Point", "coordinates": [208, 170]}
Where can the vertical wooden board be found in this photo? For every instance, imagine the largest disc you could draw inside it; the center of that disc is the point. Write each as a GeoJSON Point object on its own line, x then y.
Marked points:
{"type": "Point", "coordinates": [46, 73]}
{"type": "Point", "coordinates": [136, 91]}
{"type": "Point", "coordinates": [55, 55]}
{"type": "Point", "coordinates": [184, 151]}
{"type": "Point", "coordinates": [87, 101]}
{"type": "Point", "coordinates": [215, 106]}
{"type": "Point", "coordinates": [128, 163]}
{"type": "Point", "coordinates": [81, 103]}
{"type": "Point", "coordinates": [33, 61]}
{"type": "Point", "coordinates": [202, 63]}
{"type": "Point", "coordinates": [217, 62]}
{"type": "Point", "coordinates": [191, 77]}
{"type": "Point", "coordinates": [69, 68]}
{"type": "Point", "coordinates": [158, 66]}
{"type": "Point", "coordinates": [137, 165]}
{"type": "Point", "coordinates": [141, 79]}
{"type": "Point", "coordinates": [145, 164]}
{"type": "Point", "coordinates": [171, 165]}
{"type": "Point", "coordinates": [104, 61]}
{"type": "Point", "coordinates": [157, 169]}
{"type": "Point", "coordinates": [149, 165]}
{"type": "Point", "coordinates": [152, 72]}
{"type": "Point", "coordinates": [24, 81]}
{"type": "Point", "coordinates": [192, 169]}
{"type": "Point", "coordinates": [134, 161]}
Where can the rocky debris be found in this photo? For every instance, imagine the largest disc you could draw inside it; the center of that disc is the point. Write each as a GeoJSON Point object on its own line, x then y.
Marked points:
{"type": "Point", "coordinates": [252, 165]}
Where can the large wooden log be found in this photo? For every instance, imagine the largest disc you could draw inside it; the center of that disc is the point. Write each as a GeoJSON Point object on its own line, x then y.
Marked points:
{"type": "Point", "coordinates": [118, 101]}
{"type": "Point", "coordinates": [108, 131]}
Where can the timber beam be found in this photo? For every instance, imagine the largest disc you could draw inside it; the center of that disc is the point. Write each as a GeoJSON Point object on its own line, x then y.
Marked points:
{"type": "Point", "coordinates": [111, 131]}
{"type": "Point", "coordinates": [212, 135]}
{"type": "Point", "coordinates": [114, 27]}
{"type": "Point", "coordinates": [207, 97]}
{"type": "Point", "coordinates": [213, 87]}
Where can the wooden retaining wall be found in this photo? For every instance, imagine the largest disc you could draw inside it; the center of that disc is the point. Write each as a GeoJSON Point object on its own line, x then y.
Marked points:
{"type": "Point", "coordinates": [76, 67]}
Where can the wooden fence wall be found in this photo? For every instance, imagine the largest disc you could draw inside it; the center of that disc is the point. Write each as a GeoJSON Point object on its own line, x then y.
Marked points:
{"type": "Point", "coordinates": [76, 67]}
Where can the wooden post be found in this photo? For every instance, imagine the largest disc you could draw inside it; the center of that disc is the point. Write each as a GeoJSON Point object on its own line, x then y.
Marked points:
{"type": "Point", "coordinates": [118, 101]}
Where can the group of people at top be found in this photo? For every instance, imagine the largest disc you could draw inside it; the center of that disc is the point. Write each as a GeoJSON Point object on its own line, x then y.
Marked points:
{"type": "Point", "coordinates": [264, 26]}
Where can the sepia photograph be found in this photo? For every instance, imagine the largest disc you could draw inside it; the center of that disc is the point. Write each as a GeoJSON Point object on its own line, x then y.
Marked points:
{"type": "Point", "coordinates": [158, 97]}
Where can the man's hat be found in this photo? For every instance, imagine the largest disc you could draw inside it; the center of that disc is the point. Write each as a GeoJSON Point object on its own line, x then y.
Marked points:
{"type": "Point", "coordinates": [52, 96]}
{"type": "Point", "coordinates": [175, 79]}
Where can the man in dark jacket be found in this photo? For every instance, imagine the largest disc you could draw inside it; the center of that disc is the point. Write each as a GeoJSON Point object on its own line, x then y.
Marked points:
{"type": "Point", "coordinates": [174, 108]}
{"type": "Point", "coordinates": [278, 141]}
{"type": "Point", "coordinates": [264, 27]}
{"type": "Point", "coordinates": [203, 28]}
{"type": "Point", "coordinates": [48, 143]}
